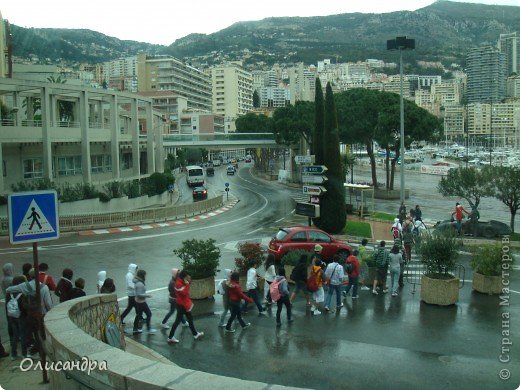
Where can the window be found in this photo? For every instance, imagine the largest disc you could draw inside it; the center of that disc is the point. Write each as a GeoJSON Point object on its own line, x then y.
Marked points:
{"type": "Point", "coordinates": [318, 237]}
{"type": "Point", "coordinates": [33, 168]}
{"type": "Point", "coordinates": [69, 166]}
{"type": "Point", "coordinates": [299, 237]}
{"type": "Point", "coordinates": [101, 163]}
{"type": "Point", "coordinates": [126, 161]}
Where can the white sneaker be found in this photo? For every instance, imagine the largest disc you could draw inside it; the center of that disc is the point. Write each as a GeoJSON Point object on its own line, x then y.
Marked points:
{"type": "Point", "coordinates": [374, 292]}
{"type": "Point", "coordinates": [365, 288]}
{"type": "Point", "coordinates": [339, 306]}
{"type": "Point", "coordinates": [151, 331]}
{"type": "Point", "coordinates": [198, 335]}
{"type": "Point", "coordinates": [385, 291]}
{"type": "Point", "coordinates": [165, 326]}
{"type": "Point", "coordinates": [313, 307]}
{"type": "Point", "coordinates": [316, 312]}
{"type": "Point", "coordinates": [185, 324]}
{"type": "Point", "coordinates": [173, 340]}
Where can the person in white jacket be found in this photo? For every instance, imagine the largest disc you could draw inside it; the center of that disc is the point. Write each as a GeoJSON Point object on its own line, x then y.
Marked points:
{"type": "Point", "coordinates": [270, 275]}
{"type": "Point", "coordinates": [130, 290]}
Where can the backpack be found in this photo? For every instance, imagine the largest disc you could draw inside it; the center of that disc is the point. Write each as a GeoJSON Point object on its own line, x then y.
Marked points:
{"type": "Point", "coordinates": [13, 308]}
{"type": "Point", "coordinates": [312, 282]}
{"type": "Point", "coordinates": [220, 288]}
{"type": "Point", "coordinates": [274, 290]}
{"type": "Point", "coordinates": [349, 267]}
{"type": "Point", "coordinates": [395, 232]}
{"type": "Point", "coordinates": [29, 302]}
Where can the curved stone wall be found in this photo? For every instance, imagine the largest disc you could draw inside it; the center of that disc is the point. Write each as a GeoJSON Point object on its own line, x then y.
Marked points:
{"type": "Point", "coordinates": [73, 334]}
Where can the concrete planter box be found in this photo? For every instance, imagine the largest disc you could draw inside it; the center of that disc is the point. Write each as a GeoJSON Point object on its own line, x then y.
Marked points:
{"type": "Point", "coordinates": [369, 281]}
{"type": "Point", "coordinates": [487, 284]}
{"type": "Point", "coordinates": [202, 288]}
{"type": "Point", "coordinates": [441, 292]}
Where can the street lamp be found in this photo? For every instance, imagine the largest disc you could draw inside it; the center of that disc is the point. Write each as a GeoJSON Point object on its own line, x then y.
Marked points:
{"type": "Point", "coordinates": [401, 43]}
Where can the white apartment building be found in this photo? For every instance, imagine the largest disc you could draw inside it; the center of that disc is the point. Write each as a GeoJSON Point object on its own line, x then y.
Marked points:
{"type": "Point", "coordinates": [513, 87]}
{"type": "Point", "coordinates": [121, 74]}
{"type": "Point", "coordinates": [447, 93]}
{"type": "Point", "coordinates": [454, 121]}
{"type": "Point", "coordinates": [104, 136]}
{"type": "Point", "coordinates": [302, 82]}
{"type": "Point", "coordinates": [165, 73]}
{"type": "Point", "coordinates": [4, 52]}
{"type": "Point", "coordinates": [274, 97]}
{"type": "Point", "coordinates": [393, 85]}
{"type": "Point", "coordinates": [232, 92]}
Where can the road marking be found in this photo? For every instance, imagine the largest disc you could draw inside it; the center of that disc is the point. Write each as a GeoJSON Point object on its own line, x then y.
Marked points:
{"type": "Point", "coordinates": [254, 231]}
{"type": "Point", "coordinates": [279, 220]}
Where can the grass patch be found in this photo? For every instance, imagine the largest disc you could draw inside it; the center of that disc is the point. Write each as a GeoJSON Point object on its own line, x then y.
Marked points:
{"type": "Point", "coordinates": [358, 229]}
{"type": "Point", "coordinates": [383, 216]}
{"type": "Point", "coordinates": [515, 237]}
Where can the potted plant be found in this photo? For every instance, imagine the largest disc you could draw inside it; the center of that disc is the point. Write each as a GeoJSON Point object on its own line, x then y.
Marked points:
{"type": "Point", "coordinates": [371, 265]}
{"type": "Point", "coordinates": [438, 254]}
{"type": "Point", "coordinates": [252, 254]}
{"type": "Point", "coordinates": [200, 258]}
{"type": "Point", "coordinates": [292, 258]}
{"type": "Point", "coordinates": [487, 269]}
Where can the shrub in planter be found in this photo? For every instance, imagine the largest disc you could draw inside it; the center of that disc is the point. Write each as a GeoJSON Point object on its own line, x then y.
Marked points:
{"type": "Point", "coordinates": [292, 258]}
{"type": "Point", "coordinates": [251, 254]}
{"type": "Point", "coordinates": [199, 257]}
{"type": "Point", "coordinates": [487, 269]}
{"type": "Point", "coordinates": [438, 254]}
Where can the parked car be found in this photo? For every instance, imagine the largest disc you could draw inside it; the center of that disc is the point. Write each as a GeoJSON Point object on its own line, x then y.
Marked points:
{"type": "Point", "coordinates": [200, 193]}
{"type": "Point", "coordinates": [303, 237]}
{"type": "Point", "coordinates": [230, 170]}
{"type": "Point", "coordinates": [487, 229]}
{"type": "Point", "coordinates": [210, 171]}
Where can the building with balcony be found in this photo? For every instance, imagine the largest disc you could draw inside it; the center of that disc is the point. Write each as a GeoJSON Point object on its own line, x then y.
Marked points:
{"type": "Point", "coordinates": [454, 122]}
{"type": "Point", "coordinates": [121, 74]}
{"type": "Point", "coordinates": [486, 72]}
{"type": "Point", "coordinates": [232, 92]}
{"type": "Point", "coordinates": [5, 51]}
{"type": "Point", "coordinates": [70, 134]}
{"type": "Point", "coordinates": [165, 73]}
{"type": "Point", "coordinates": [509, 46]}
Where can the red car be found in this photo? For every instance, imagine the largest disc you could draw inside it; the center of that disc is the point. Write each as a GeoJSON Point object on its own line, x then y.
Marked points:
{"type": "Point", "coordinates": [303, 237]}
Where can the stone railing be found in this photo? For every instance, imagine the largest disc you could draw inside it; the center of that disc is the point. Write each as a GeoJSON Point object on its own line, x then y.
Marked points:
{"type": "Point", "coordinates": [73, 334]}
{"type": "Point", "coordinates": [126, 218]}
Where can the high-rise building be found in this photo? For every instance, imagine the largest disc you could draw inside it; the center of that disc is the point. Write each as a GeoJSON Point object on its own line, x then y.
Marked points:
{"type": "Point", "coordinates": [232, 92]}
{"type": "Point", "coordinates": [486, 75]}
{"type": "Point", "coordinates": [508, 44]}
{"type": "Point", "coordinates": [165, 73]}
{"type": "Point", "coordinates": [454, 118]}
{"type": "Point", "coordinates": [121, 74]}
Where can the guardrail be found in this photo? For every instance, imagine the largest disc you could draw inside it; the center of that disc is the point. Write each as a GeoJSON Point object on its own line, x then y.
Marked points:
{"type": "Point", "coordinates": [127, 218]}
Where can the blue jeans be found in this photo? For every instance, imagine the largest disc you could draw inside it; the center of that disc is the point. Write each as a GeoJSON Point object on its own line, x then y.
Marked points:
{"type": "Point", "coordinates": [352, 282]}
{"type": "Point", "coordinates": [459, 226]}
{"type": "Point", "coordinates": [332, 288]}
{"type": "Point", "coordinates": [253, 294]}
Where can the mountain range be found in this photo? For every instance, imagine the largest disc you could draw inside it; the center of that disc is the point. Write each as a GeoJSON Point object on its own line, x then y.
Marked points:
{"type": "Point", "coordinates": [443, 31]}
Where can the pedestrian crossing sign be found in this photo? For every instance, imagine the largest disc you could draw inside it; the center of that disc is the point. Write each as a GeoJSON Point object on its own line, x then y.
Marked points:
{"type": "Point", "coordinates": [33, 216]}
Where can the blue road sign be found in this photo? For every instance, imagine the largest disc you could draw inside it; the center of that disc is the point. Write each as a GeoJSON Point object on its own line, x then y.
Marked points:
{"type": "Point", "coordinates": [226, 184]}
{"type": "Point", "coordinates": [171, 187]}
{"type": "Point", "coordinates": [314, 169]}
{"type": "Point", "coordinates": [33, 217]}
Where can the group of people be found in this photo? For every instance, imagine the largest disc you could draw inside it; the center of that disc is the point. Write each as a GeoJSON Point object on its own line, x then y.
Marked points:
{"type": "Point", "coordinates": [23, 312]}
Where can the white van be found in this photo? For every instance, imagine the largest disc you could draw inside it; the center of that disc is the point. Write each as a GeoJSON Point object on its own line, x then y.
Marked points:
{"type": "Point", "coordinates": [194, 176]}
{"type": "Point", "coordinates": [217, 163]}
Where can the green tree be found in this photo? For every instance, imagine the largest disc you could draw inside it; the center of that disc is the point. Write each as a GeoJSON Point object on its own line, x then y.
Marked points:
{"type": "Point", "coordinates": [256, 99]}
{"type": "Point", "coordinates": [506, 188]}
{"type": "Point", "coordinates": [254, 123]}
{"type": "Point", "coordinates": [318, 134]}
{"type": "Point", "coordinates": [332, 204]}
{"type": "Point", "coordinates": [466, 183]}
{"type": "Point", "coordinates": [291, 123]}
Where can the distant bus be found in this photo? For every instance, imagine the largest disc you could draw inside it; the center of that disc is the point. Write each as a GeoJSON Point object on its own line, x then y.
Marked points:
{"type": "Point", "coordinates": [194, 176]}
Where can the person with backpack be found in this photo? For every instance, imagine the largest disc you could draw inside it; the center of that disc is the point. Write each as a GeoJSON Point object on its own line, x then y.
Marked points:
{"type": "Point", "coordinates": [130, 290]}
{"type": "Point", "coordinates": [78, 289]}
{"type": "Point", "coordinates": [45, 278]}
{"type": "Point", "coordinates": [396, 229]}
{"type": "Point", "coordinates": [381, 260]}
{"type": "Point", "coordinates": [108, 286]}
{"type": "Point", "coordinates": [352, 268]}
{"type": "Point", "coordinates": [16, 318]}
{"type": "Point", "coordinates": [184, 306]}
{"type": "Point", "coordinates": [270, 275]}
{"type": "Point", "coordinates": [235, 296]}
{"type": "Point", "coordinates": [33, 309]}
{"type": "Point", "coordinates": [315, 286]}
{"type": "Point", "coordinates": [280, 295]}
{"type": "Point", "coordinates": [172, 300]}
{"type": "Point", "coordinates": [222, 289]}
{"type": "Point", "coordinates": [299, 277]}
{"type": "Point", "coordinates": [64, 286]}
{"type": "Point", "coordinates": [418, 213]}
{"type": "Point", "coordinates": [334, 274]}
{"type": "Point", "coordinates": [140, 303]}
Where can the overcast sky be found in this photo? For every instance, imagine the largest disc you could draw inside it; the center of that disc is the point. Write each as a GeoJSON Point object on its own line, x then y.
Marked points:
{"type": "Point", "coordinates": [164, 21]}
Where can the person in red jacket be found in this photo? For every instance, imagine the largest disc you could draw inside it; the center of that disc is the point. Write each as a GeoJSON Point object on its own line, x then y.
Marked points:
{"type": "Point", "coordinates": [45, 278]}
{"type": "Point", "coordinates": [184, 306]}
{"type": "Point", "coordinates": [459, 210]}
{"type": "Point", "coordinates": [352, 264]}
{"type": "Point", "coordinates": [235, 296]}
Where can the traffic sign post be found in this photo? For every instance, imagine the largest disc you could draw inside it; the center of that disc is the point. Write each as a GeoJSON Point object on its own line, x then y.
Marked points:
{"type": "Point", "coordinates": [314, 190]}
{"type": "Point", "coordinates": [314, 169]}
{"type": "Point", "coordinates": [314, 179]}
{"type": "Point", "coordinates": [305, 159]}
{"type": "Point", "coordinates": [227, 191]}
{"type": "Point", "coordinates": [33, 217]}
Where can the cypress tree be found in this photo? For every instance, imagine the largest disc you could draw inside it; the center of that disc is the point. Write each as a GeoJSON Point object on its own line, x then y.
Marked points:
{"type": "Point", "coordinates": [333, 214]}
{"type": "Point", "coordinates": [317, 136]}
